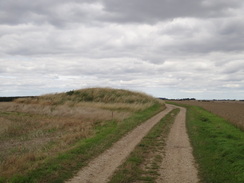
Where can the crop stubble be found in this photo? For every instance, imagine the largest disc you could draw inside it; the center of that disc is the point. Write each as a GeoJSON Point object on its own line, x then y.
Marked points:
{"type": "Point", "coordinates": [232, 111]}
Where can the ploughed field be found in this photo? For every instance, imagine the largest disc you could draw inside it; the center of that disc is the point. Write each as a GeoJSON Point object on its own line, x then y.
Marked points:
{"type": "Point", "coordinates": [233, 111]}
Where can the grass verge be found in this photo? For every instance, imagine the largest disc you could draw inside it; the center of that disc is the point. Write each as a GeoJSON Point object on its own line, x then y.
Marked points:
{"type": "Point", "coordinates": [66, 164]}
{"type": "Point", "coordinates": [218, 146]}
{"type": "Point", "coordinates": [143, 163]}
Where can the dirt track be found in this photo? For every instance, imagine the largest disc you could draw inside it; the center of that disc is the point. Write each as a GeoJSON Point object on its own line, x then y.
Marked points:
{"type": "Point", "coordinates": [101, 168]}
{"type": "Point", "coordinates": [178, 163]}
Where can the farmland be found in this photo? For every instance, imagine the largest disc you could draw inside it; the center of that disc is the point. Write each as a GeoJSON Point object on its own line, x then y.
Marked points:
{"type": "Point", "coordinates": [45, 131]}
{"type": "Point", "coordinates": [230, 110]}
{"type": "Point", "coordinates": [58, 137]}
{"type": "Point", "coordinates": [217, 145]}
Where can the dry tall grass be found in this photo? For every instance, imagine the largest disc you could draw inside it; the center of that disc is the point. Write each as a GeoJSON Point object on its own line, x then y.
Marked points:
{"type": "Point", "coordinates": [100, 95]}
{"type": "Point", "coordinates": [33, 129]}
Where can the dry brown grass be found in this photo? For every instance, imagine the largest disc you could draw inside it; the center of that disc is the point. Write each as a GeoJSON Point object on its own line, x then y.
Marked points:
{"type": "Point", "coordinates": [25, 134]}
{"type": "Point", "coordinates": [33, 129]}
{"type": "Point", "coordinates": [98, 95]}
{"type": "Point", "coordinates": [86, 111]}
{"type": "Point", "coordinates": [233, 111]}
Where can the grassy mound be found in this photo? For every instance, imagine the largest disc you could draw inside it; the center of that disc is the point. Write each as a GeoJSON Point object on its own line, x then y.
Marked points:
{"type": "Point", "coordinates": [51, 137]}
{"type": "Point", "coordinates": [99, 95]}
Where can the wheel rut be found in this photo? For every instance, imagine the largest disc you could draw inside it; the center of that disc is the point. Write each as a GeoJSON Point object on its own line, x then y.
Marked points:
{"type": "Point", "coordinates": [178, 163]}
{"type": "Point", "coordinates": [102, 167]}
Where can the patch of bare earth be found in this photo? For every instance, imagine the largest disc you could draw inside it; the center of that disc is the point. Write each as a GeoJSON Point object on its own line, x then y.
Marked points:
{"type": "Point", "coordinates": [101, 168]}
{"type": "Point", "coordinates": [178, 163]}
{"type": "Point", "coordinates": [230, 110]}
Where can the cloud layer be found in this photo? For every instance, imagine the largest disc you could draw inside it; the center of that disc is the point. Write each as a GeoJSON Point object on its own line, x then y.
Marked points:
{"type": "Point", "coordinates": [166, 48]}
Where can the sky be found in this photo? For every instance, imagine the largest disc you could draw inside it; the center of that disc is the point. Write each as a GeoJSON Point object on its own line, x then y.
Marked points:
{"type": "Point", "coordinates": [165, 48]}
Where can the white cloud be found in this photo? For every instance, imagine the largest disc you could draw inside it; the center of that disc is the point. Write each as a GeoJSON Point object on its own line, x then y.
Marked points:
{"type": "Point", "coordinates": [194, 49]}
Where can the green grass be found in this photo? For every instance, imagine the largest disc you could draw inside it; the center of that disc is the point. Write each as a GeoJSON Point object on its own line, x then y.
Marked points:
{"type": "Point", "coordinates": [218, 147]}
{"type": "Point", "coordinates": [143, 163]}
{"type": "Point", "coordinates": [66, 164]}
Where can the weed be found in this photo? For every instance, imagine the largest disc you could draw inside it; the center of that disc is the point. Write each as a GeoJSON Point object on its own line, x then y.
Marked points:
{"type": "Point", "coordinates": [57, 133]}
{"type": "Point", "coordinates": [62, 166]}
{"type": "Point", "coordinates": [143, 163]}
{"type": "Point", "coordinates": [218, 146]}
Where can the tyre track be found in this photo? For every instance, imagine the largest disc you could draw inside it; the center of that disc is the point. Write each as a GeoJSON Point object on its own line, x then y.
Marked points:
{"type": "Point", "coordinates": [178, 163]}
{"type": "Point", "coordinates": [101, 168]}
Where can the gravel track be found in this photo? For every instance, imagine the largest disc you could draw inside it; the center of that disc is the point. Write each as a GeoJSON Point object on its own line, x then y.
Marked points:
{"type": "Point", "coordinates": [178, 163]}
{"type": "Point", "coordinates": [102, 167]}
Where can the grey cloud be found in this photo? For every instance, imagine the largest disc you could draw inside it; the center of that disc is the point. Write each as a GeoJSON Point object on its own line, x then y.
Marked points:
{"type": "Point", "coordinates": [125, 72]}
{"type": "Point", "coordinates": [231, 78]}
{"type": "Point", "coordinates": [157, 10]}
{"type": "Point", "coordinates": [202, 37]}
{"type": "Point", "coordinates": [233, 67]}
{"type": "Point", "coordinates": [57, 45]}
{"type": "Point", "coordinates": [14, 12]}
{"type": "Point", "coordinates": [186, 37]}
{"type": "Point", "coordinates": [61, 13]}
{"type": "Point", "coordinates": [56, 12]}
{"type": "Point", "coordinates": [232, 27]}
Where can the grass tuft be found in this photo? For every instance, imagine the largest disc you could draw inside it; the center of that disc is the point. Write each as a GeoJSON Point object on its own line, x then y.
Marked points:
{"type": "Point", "coordinates": [144, 162]}
{"type": "Point", "coordinates": [218, 146]}
{"type": "Point", "coordinates": [50, 137]}
{"type": "Point", "coordinates": [99, 95]}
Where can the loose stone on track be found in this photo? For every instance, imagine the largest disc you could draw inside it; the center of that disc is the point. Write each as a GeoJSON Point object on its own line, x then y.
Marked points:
{"type": "Point", "coordinates": [178, 163]}
{"type": "Point", "coordinates": [101, 168]}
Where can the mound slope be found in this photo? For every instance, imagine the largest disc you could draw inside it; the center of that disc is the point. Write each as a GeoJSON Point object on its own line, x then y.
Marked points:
{"type": "Point", "coordinates": [98, 95]}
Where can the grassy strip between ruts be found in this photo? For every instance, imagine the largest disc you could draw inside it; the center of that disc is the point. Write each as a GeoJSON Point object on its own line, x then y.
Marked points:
{"type": "Point", "coordinates": [218, 146]}
{"type": "Point", "coordinates": [66, 164]}
{"type": "Point", "coordinates": [144, 162]}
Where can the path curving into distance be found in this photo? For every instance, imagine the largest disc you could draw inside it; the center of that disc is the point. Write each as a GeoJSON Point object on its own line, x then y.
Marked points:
{"type": "Point", "coordinates": [178, 163]}
{"type": "Point", "coordinates": [102, 167]}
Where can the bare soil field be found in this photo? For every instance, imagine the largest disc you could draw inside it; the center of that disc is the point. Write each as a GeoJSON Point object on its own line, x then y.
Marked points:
{"type": "Point", "coordinates": [232, 111]}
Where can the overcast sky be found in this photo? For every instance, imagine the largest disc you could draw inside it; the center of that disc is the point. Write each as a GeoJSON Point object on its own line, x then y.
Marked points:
{"type": "Point", "coordinates": [166, 48]}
